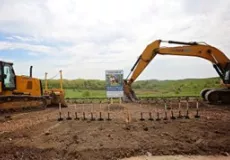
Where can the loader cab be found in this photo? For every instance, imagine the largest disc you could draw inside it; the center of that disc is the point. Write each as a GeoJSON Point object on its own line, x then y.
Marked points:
{"type": "Point", "coordinates": [7, 76]}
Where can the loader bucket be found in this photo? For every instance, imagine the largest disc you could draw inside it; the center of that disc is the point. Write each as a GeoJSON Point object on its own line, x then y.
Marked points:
{"type": "Point", "coordinates": [57, 96]}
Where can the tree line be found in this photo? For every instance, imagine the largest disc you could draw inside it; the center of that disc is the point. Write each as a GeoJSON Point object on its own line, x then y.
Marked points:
{"type": "Point", "coordinates": [142, 84]}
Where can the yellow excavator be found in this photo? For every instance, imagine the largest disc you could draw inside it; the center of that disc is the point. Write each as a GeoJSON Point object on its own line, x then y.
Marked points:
{"type": "Point", "coordinates": [219, 60]}
{"type": "Point", "coordinates": [20, 92]}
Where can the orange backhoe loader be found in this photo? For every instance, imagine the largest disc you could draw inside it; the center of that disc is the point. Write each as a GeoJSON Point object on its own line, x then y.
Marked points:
{"type": "Point", "coordinates": [219, 60]}
{"type": "Point", "coordinates": [19, 92]}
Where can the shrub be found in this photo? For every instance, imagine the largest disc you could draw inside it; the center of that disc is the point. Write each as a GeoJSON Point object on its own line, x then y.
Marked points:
{"type": "Point", "coordinates": [86, 94]}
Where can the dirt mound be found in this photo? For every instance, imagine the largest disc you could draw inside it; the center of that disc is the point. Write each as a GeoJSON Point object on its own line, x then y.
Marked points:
{"type": "Point", "coordinates": [178, 157]}
{"type": "Point", "coordinates": [14, 153]}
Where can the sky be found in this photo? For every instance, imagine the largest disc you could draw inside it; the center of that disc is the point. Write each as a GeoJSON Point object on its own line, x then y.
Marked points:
{"type": "Point", "coordinates": [85, 38]}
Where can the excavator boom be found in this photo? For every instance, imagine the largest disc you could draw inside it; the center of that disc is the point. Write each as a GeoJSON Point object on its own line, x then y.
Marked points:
{"type": "Point", "coordinates": [220, 61]}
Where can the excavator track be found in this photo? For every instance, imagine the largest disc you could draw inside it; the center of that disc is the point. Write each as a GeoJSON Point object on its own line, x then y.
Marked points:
{"type": "Point", "coordinates": [21, 103]}
{"type": "Point", "coordinates": [203, 93]}
{"type": "Point", "coordinates": [218, 96]}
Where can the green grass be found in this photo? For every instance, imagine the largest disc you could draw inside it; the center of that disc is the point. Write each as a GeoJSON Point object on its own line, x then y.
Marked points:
{"type": "Point", "coordinates": [140, 93]}
{"type": "Point", "coordinates": [70, 93]}
{"type": "Point", "coordinates": [153, 88]}
{"type": "Point", "coordinates": [151, 93]}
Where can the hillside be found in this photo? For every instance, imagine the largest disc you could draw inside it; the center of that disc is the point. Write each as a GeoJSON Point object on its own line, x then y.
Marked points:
{"type": "Point", "coordinates": [96, 88]}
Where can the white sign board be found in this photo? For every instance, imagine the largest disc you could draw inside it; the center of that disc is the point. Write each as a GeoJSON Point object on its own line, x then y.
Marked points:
{"type": "Point", "coordinates": [114, 83]}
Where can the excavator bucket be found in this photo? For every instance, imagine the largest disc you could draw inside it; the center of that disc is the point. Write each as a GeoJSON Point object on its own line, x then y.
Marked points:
{"type": "Point", "coordinates": [57, 95]}
{"type": "Point", "coordinates": [129, 94]}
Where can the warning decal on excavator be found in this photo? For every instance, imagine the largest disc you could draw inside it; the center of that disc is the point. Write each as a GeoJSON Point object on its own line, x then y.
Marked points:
{"type": "Point", "coordinates": [180, 50]}
{"type": "Point", "coordinates": [114, 83]}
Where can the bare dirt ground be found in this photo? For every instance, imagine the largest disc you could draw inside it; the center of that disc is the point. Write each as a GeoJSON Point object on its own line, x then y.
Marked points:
{"type": "Point", "coordinates": [39, 135]}
{"type": "Point", "coordinates": [178, 157]}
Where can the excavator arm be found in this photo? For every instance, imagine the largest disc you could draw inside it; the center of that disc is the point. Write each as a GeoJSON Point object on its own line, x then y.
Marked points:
{"type": "Point", "coordinates": [220, 61]}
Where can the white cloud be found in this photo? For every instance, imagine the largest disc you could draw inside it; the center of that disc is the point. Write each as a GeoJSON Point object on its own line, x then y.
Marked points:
{"type": "Point", "coordinates": [112, 34]}
{"type": "Point", "coordinates": [29, 47]}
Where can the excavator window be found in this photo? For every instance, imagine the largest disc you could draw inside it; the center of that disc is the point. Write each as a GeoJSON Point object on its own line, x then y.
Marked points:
{"type": "Point", "coordinates": [227, 77]}
{"type": "Point", "coordinates": [8, 77]}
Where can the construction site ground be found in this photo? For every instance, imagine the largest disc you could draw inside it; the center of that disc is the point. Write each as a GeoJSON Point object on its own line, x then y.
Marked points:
{"type": "Point", "coordinates": [39, 135]}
